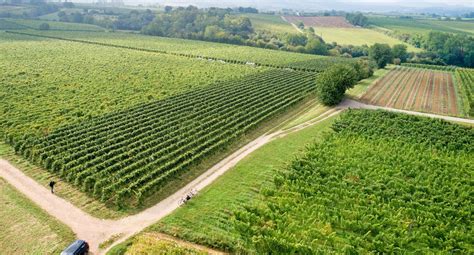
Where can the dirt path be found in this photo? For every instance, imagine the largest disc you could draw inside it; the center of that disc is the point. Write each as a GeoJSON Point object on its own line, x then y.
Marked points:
{"type": "Point", "coordinates": [295, 26]}
{"type": "Point", "coordinates": [96, 231]}
{"type": "Point", "coordinates": [349, 103]}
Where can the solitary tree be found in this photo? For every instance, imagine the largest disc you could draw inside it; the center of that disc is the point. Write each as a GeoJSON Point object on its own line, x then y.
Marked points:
{"type": "Point", "coordinates": [381, 54]}
{"type": "Point", "coordinates": [331, 85]}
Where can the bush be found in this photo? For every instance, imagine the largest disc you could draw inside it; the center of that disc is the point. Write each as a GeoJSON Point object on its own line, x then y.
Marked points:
{"type": "Point", "coordinates": [381, 54]}
{"type": "Point", "coordinates": [333, 83]}
{"type": "Point", "coordinates": [44, 26]}
{"type": "Point", "coordinates": [363, 69]}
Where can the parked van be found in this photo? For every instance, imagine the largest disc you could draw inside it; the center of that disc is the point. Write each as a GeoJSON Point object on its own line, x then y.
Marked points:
{"type": "Point", "coordinates": [78, 247]}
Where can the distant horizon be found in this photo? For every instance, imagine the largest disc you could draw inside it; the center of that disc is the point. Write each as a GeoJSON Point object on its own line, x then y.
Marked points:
{"type": "Point", "coordinates": [434, 6]}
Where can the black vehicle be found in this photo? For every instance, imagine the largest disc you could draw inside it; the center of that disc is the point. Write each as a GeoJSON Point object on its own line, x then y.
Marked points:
{"type": "Point", "coordinates": [78, 247]}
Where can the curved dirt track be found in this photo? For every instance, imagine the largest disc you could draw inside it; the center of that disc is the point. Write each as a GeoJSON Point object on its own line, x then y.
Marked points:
{"type": "Point", "coordinates": [349, 103]}
{"type": "Point", "coordinates": [96, 231]}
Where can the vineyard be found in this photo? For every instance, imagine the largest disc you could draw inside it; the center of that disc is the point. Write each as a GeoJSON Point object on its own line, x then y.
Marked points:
{"type": "Point", "coordinates": [466, 79]}
{"type": "Point", "coordinates": [202, 50]}
{"type": "Point", "coordinates": [418, 90]}
{"type": "Point", "coordinates": [383, 183]}
{"type": "Point", "coordinates": [37, 98]}
{"type": "Point", "coordinates": [125, 156]}
{"type": "Point", "coordinates": [15, 24]}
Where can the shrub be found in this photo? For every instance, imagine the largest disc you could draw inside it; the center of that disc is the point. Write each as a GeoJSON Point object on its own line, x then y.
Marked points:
{"type": "Point", "coordinates": [44, 26]}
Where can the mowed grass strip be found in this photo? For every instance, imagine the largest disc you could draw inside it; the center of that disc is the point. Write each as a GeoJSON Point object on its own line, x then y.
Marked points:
{"type": "Point", "coordinates": [27, 229]}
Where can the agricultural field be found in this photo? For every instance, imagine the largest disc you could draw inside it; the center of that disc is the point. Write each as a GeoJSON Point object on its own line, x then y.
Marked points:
{"type": "Point", "coordinates": [206, 50]}
{"type": "Point", "coordinates": [422, 26]}
{"type": "Point", "coordinates": [270, 23]}
{"type": "Point", "coordinates": [323, 21]}
{"type": "Point", "coordinates": [126, 156]}
{"type": "Point", "coordinates": [339, 30]}
{"type": "Point", "coordinates": [26, 228]}
{"type": "Point", "coordinates": [13, 24]}
{"type": "Point", "coordinates": [207, 219]}
{"type": "Point", "coordinates": [465, 77]}
{"type": "Point", "coordinates": [382, 183]}
{"type": "Point", "coordinates": [39, 98]}
{"type": "Point", "coordinates": [417, 89]}
{"type": "Point", "coordinates": [358, 36]}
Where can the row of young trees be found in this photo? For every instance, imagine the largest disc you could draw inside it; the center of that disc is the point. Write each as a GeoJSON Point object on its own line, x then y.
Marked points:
{"type": "Point", "coordinates": [440, 48]}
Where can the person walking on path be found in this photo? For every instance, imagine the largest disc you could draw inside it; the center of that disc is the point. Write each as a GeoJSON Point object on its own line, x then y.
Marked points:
{"type": "Point", "coordinates": [51, 185]}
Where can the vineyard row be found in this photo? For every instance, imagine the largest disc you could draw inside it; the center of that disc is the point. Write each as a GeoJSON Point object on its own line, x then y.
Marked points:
{"type": "Point", "coordinates": [127, 156]}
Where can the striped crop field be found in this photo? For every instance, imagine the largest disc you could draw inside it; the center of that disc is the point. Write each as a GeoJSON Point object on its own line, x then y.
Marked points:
{"type": "Point", "coordinates": [416, 89]}
{"type": "Point", "coordinates": [124, 157]}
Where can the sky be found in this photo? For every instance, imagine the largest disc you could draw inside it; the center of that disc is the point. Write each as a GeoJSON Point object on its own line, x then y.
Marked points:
{"type": "Point", "coordinates": [362, 5]}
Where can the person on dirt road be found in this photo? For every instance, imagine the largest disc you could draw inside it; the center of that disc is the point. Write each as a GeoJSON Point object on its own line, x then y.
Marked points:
{"type": "Point", "coordinates": [51, 185]}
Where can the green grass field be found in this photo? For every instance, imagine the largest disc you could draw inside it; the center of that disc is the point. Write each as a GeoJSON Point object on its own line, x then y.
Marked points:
{"type": "Point", "coordinates": [358, 36]}
{"type": "Point", "coordinates": [26, 228]}
{"type": "Point", "coordinates": [422, 26]}
{"type": "Point", "coordinates": [271, 23]}
{"type": "Point", "coordinates": [206, 219]}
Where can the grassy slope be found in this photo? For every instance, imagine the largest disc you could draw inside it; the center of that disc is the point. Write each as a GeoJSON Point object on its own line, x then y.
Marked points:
{"type": "Point", "coordinates": [206, 219]}
{"type": "Point", "coordinates": [423, 25]}
{"type": "Point", "coordinates": [27, 229]}
{"type": "Point", "coordinates": [358, 36]}
{"type": "Point", "coordinates": [272, 23]}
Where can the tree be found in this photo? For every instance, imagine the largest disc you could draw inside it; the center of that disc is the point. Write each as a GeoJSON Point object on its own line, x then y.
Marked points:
{"type": "Point", "coordinates": [316, 46]}
{"type": "Point", "coordinates": [296, 39]}
{"type": "Point", "coordinates": [168, 9]}
{"type": "Point", "coordinates": [357, 19]}
{"type": "Point", "coordinates": [331, 85]}
{"type": "Point", "coordinates": [301, 25]}
{"type": "Point", "coordinates": [44, 26]}
{"type": "Point", "coordinates": [381, 54]}
{"type": "Point", "coordinates": [400, 51]}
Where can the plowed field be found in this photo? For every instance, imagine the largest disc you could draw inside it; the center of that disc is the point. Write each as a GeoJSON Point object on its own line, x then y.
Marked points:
{"type": "Point", "coordinates": [416, 89]}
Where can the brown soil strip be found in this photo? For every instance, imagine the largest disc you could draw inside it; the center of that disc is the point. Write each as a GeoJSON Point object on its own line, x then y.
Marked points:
{"type": "Point", "coordinates": [436, 100]}
{"type": "Point", "coordinates": [385, 98]}
{"type": "Point", "coordinates": [428, 95]}
{"type": "Point", "coordinates": [419, 98]}
{"type": "Point", "coordinates": [400, 100]}
{"type": "Point", "coordinates": [379, 84]}
{"type": "Point", "coordinates": [409, 103]}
